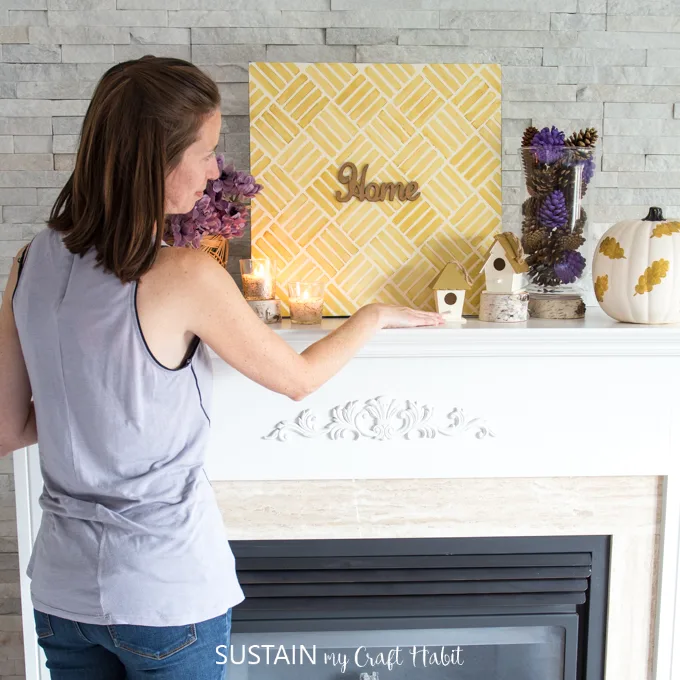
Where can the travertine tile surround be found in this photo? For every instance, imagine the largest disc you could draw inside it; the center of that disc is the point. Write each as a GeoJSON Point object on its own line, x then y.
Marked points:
{"type": "Point", "coordinates": [628, 508]}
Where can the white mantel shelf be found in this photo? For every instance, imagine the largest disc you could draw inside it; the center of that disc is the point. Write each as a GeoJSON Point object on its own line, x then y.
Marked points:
{"type": "Point", "coordinates": [595, 335]}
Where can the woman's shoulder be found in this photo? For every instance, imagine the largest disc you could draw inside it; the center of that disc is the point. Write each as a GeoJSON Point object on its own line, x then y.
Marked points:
{"type": "Point", "coordinates": [180, 262]}
{"type": "Point", "coordinates": [177, 296]}
{"type": "Point", "coordinates": [182, 273]}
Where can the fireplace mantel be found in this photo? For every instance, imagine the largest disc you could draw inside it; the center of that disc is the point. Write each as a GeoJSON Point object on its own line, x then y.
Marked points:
{"type": "Point", "coordinates": [595, 335]}
{"type": "Point", "coordinates": [542, 398]}
{"type": "Point", "coordinates": [561, 399]}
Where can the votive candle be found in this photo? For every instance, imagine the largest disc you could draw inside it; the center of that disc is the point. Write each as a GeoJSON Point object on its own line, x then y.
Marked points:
{"type": "Point", "coordinates": [305, 301]}
{"type": "Point", "coordinates": [259, 278]}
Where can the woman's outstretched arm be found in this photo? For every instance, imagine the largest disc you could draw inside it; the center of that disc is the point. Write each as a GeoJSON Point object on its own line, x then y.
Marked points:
{"type": "Point", "coordinates": [220, 316]}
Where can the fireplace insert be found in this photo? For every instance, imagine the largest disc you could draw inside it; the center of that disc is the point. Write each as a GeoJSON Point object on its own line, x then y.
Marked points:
{"type": "Point", "coordinates": [510, 608]}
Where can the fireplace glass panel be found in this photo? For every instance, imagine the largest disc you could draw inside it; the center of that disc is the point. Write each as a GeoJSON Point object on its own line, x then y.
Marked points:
{"type": "Point", "coordinates": [480, 653]}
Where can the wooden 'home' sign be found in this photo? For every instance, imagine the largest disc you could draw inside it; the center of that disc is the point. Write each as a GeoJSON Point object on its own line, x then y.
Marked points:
{"type": "Point", "coordinates": [375, 176]}
{"type": "Point", "coordinates": [357, 187]}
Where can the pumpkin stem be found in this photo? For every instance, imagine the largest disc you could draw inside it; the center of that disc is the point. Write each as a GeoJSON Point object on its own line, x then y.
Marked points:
{"type": "Point", "coordinates": [654, 215]}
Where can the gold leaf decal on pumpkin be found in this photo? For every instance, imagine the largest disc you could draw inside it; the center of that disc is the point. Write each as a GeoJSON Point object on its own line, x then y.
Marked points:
{"type": "Point", "coordinates": [652, 276]}
{"type": "Point", "coordinates": [612, 249]}
{"type": "Point", "coordinates": [665, 229]}
{"type": "Point", "coordinates": [601, 287]}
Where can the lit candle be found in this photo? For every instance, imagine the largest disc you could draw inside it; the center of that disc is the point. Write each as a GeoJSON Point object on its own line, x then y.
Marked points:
{"type": "Point", "coordinates": [306, 302]}
{"type": "Point", "coordinates": [258, 279]}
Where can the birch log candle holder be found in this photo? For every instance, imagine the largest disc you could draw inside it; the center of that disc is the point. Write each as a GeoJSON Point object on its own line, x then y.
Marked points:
{"type": "Point", "coordinates": [504, 307]}
{"type": "Point", "coordinates": [268, 311]}
{"type": "Point", "coordinates": [547, 306]}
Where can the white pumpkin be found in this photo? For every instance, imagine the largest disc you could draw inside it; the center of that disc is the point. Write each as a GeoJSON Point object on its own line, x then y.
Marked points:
{"type": "Point", "coordinates": [636, 270]}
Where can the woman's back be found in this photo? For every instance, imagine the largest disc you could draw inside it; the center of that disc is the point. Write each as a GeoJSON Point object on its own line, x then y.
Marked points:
{"type": "Point", "coordinates": [128, 507]}
{"type": "Point", "coordinates": [131, 532]}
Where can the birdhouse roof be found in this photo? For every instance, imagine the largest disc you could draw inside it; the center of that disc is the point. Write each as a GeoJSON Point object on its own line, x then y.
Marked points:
{"type": "Point", "coordinates": [514, 253]}
{"type": "Point", "coordinates": [452, 277]}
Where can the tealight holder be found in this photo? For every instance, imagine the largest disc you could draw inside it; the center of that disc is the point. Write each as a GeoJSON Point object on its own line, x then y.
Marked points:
{"type": "Point", "coordinates": [259, 278]}
{"type": "Point", "coordinates": [305, 301]}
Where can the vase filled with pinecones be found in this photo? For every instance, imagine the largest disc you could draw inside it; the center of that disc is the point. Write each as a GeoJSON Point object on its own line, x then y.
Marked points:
{"type": "Point", "coordinates": [557, 172]}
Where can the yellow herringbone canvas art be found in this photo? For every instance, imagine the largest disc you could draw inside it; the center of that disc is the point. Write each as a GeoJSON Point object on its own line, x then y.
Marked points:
{"type": "Point", "coordinates": [435, 124]}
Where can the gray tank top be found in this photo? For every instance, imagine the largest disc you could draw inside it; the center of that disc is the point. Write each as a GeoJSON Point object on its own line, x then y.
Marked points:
{"type": "Point", "coordinates": [131, 532]}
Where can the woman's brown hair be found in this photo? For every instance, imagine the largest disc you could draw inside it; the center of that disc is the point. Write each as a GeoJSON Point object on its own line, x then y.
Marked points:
{"type": "Point", "coordinates": [144, 113]}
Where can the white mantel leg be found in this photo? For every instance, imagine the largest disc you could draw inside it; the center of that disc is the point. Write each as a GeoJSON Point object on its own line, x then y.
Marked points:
{"type": "Point", "coordinates": [667, 657]}
{"type": "Point", "coordinates": [26, 476]}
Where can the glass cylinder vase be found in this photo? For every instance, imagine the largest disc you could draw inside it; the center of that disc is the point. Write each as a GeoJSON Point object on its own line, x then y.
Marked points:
{"type": "Point", "coordinates": [305, 301]}
{"type": "Point", "coordinates": [554, 218]}
{"type": "Point", "coordinates": [258, 276]}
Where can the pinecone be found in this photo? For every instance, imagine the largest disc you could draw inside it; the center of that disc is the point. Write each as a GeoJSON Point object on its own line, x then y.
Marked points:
{"type": "Point", "coordinates": [553, 211]}
{"type": "Point", "coordinates": [529, 223]}
{"type": "Point", "coordinates": [582, 144]}
{"type": "Point", "coordinates": [563, 176]}
{"type": "Point", "coordinates": [541, 182]}
{"type": "Point", "coordinates": [583, 138]}
{"type": "Point", "coordinates": [580, 223]}
{"type": "Point", "coordinates": [548, 144]}
{"type": "Point", "coordinates": [566, 186]}
{"type": "Point", "coordinates": [528, 135]}
{"type": "Point", "coordinates": [529, 163]}
{"type": "Point", "coordinates": [570, 241]}
{"type": "Point", "coordinates": [543, 274]}
{"type": "Point", "coordinates": [549, 253]}
{"type": "Point", "coordinates": [534, 240]}
{"type": "Point", "coordinates": [542, 264]}
{"type": "Point", "coordinates": [570, 267]}
{"type": "Point", "coordinates": [531, 206]}
{"type": "Point", "coordinates": [588, 171]}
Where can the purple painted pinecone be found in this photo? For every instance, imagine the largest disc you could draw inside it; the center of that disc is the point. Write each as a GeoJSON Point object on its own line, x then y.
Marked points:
{"type": "Point", "coordinates": [588, 170]}
{"type": "Point", "coordinates": [570, 267]}
{"type": "Point", "coordinates": [548, 144]}
{"type": "Point", "coordinates": [553, 210]}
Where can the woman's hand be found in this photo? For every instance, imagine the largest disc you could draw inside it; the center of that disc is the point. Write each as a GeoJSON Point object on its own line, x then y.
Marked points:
{"type": "Point", "coordinates": [391, 316]}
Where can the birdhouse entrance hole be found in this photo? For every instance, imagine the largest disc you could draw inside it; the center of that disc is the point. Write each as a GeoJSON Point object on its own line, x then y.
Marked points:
{"type": "Point", "coordinates": [499, 264]}
{"type": "Point", "coordinates": [450, 298]}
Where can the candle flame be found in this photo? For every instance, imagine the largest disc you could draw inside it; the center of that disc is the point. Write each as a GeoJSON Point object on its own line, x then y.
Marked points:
{"type": "Point", "coordinates": [259, 270]}
{"type": "Point", "coordinates": [305, 295]}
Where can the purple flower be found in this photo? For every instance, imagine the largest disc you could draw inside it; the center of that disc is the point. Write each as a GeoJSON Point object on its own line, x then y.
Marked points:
{"type": "Point", "coordinates": [204, 215]}
{"type": "Point", "coordinates": [553, 210]}
{"type": "Point", "coordinates": [183, 232]}
{"type": "Point", "coordinates": [222, 210]}
{"type": "Point", "coordinates": [237, 183]}
{"type": "Point", "coordinates": [548, 143]}
{"type": "Point", "coordinates": [570, 267]}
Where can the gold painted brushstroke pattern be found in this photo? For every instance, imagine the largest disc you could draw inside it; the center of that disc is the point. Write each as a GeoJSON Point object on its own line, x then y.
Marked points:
{"type": "Point", "coordinates": [652, 276]}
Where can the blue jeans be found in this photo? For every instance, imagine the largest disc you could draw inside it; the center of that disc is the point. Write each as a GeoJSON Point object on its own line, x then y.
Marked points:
{"type": "Point", "coordinates": [85, 651]}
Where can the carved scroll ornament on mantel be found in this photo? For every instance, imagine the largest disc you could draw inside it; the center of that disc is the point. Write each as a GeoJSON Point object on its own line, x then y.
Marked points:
{"type": "Point", "coordinates": [381, 419]}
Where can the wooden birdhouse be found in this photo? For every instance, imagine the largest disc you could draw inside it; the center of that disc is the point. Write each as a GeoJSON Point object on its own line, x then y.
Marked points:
{"type": "Point", "coordinates": [504, 264]}
{"type": "Point", "coordinates": [449, 291]}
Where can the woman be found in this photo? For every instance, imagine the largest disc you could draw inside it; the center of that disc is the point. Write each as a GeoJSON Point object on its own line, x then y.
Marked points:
{"type": "Point", "coordinates": [100, 360]}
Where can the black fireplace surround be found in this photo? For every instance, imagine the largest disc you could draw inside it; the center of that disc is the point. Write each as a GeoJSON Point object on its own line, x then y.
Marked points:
{"type": "Point", "coordinates": [511, 608]}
